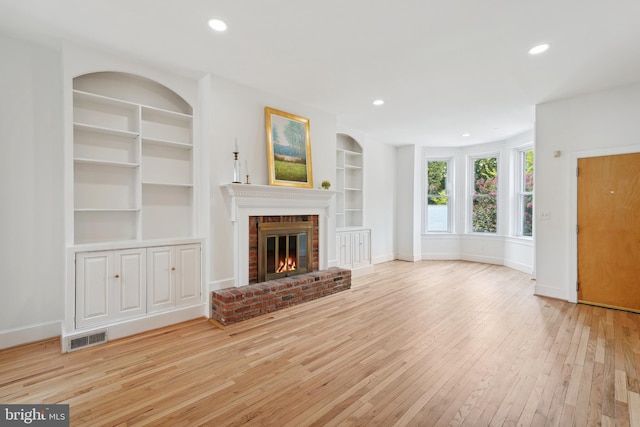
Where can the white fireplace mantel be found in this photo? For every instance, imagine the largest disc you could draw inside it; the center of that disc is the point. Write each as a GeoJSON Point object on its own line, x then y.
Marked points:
{"type": "Point", "coordinates": [248, 200]}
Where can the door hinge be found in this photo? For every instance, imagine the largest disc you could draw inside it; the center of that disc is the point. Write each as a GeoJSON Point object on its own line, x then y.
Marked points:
{"type": "Point", "coordinates": [577, 286]}
{"type": "Point", "coordinates": [577, 228]}
{"type": "Point", "coordinates": [577, 171]}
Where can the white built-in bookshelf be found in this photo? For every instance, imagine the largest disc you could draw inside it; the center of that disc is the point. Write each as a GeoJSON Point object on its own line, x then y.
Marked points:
{"type": "Point", "coordinates": [133, 160]}
{"type": "Point", "coordinates": [349, 182]}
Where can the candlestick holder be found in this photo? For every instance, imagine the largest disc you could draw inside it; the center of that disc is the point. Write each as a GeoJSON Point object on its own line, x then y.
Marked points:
{"type": "Point", "coordinates": [247, 179]}
{"type": "Point", "coordinates": [236, 169]}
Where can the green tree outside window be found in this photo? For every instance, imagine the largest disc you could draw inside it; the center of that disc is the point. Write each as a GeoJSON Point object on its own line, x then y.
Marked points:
{"type": "Point", "coordinates": [485, 195]}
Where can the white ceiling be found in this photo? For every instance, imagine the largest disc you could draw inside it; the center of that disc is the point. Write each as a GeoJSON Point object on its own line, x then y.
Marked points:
{"type": "Point", "coordinates": [444, 67]}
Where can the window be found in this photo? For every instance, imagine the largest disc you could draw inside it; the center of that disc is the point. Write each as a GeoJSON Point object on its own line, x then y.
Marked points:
{"type": "Point", "coordinates": [484, 218]}
{"type": "Point", "coordinates": [525, 193]}
{"type": "Point", "coordinates": [438, 196]}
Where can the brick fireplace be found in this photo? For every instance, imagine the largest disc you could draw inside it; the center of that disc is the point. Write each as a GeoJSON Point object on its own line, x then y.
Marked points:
{"type": "Point", "coordinates": [252, 205]}
{"type": "Point", "coordinates": [262, 203]}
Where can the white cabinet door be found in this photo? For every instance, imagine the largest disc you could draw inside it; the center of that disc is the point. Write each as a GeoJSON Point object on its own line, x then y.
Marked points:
{"type": "Point", "coordinates": [120, 284]}
{"type": "Point", "coordinates": [94, 273]}
{"type": "Point", "coordinates": [361, 248]}
{"type": "Point", "coordinates": [160, 278]}
{"type": "Point", "coordinates": [187, 274]}
{"type": "Point", "coordinates": [110, 285]}
{"type": "Point", "coordinates": [344, 249]}
{"type": "Point", "coordinates": [339, 255]}
{"type": "Point", "coordinates": [366, 246]}
{"type": "Point", "coordinates": [130, 283]}
{"type": "Point", "coordinates": [353, 248]}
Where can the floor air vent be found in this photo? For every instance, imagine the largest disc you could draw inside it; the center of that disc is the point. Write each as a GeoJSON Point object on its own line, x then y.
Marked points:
{"type": "Point", "coordinates": [87, 340]}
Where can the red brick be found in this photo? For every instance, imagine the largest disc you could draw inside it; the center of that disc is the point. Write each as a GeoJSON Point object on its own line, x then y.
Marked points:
{"type": "Point", "coordinates": [236, 304]}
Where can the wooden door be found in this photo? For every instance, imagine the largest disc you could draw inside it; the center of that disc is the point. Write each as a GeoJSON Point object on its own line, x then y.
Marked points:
{"type": "Point", "coordinates": [609, 231]}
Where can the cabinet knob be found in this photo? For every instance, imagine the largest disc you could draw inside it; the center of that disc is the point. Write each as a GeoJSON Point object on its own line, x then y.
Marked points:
{"type": "Point", "coordinates": [173, 269]}
{"type": "Point", "coordinates": [117, 276]}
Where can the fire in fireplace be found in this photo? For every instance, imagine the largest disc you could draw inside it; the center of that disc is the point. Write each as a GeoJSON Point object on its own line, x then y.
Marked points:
{"type": "Point", "coordinates": [284, 249]}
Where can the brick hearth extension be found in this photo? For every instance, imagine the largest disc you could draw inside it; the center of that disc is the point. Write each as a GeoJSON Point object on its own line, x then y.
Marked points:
{"type": "Point", "coordinates": [233, 305]}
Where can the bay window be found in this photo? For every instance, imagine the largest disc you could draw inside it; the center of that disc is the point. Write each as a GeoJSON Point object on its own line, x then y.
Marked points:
{"type": "Point", "coordinates": [484, 195]}
{"type": "Point", "coordinates": [438, 196]}
{"type": "Point", "coordinates": [525, 193]}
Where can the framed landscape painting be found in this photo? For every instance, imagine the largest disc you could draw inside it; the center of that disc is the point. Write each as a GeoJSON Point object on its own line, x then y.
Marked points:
{"type": "Point", "coordinates": [288, 149]}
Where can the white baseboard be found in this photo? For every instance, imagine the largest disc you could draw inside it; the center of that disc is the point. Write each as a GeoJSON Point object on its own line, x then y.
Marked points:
{"type": "Point", "coordinates": [409, 257]}
{"type": "Point", "coordinates": [19, 336]}
{"type": "Point", "coordinates": [519, 266]}
{"type": "Point", "coordinates": [383, 258]}
{"type": "Point", "coordinates": [221, 284]}
{"type": "Point", "coordinates": [547, 291]}
{"type": "Point", "coordinates": [482, 259]}
{"type": "Point", "coordinates": [453, 256]}
{"type": "Point", "coordinates": [142, 324]}
{"type": "Point", "coordinates": [362, 271]}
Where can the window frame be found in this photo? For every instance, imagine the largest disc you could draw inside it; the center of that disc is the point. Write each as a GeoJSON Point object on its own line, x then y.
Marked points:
{"type": "Point", "coordinates": [449, 184]}
{"type": "Point", "coordinates": [520, 192]}
{"type": "Point", "coordinates": [471, 191]}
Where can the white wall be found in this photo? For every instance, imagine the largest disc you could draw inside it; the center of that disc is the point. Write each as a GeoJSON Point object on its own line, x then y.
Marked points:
{"type": "Point", "coordinates": [408, 203]}
{"type": "Point", "coordinates": [379, 190]}
{"type": "Point", "coordinates": [31, 192]}
{"type": "Point", "coordinates": [600, 123]}
{"type": "Point", "coordinates": [237, 111]}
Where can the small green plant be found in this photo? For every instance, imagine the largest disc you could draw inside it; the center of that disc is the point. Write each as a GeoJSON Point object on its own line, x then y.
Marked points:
{"type": "Point", "coordinates": [325, 184]}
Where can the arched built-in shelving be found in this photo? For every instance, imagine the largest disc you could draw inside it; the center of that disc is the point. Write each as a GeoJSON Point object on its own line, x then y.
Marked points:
{"type": "Point", "coordinates": [349, 185]}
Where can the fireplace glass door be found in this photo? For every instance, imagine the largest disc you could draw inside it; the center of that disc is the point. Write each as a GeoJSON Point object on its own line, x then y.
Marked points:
{"type": "Point", "coordinates": [284, 249]}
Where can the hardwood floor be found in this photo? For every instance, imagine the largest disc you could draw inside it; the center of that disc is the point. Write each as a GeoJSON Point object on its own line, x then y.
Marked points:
{"type": "Point", "coordinates": [423, 344]}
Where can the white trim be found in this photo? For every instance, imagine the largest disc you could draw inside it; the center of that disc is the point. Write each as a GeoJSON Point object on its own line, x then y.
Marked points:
{"type": "Point", "coordinates": [382, 258]}
{"type": "Point", "coordinates": [482, 259]}
{"type": "Point", "coordinates": [450, 187]}
{"type": "Point", "coordinates": [571, 291]}
{"type": "Point", "coordinates": [470, 191]}
{"type": "Point", "coordinates": [519, 266]}
{"type": "Point", "coordinates": [362, 271]}
{"type": "Point", "coordinates": [131, 244]}
{"type": "Point", "coordinates": [442, 256]}
{"type": "Point", "coordinates": [216, 285]}
{"type": "Point", "coordinates": [408, 257]}
{"type": "Point", "coordinates": [547, 291]}
{"type": "Point", "coordinates": [263, 200]}
{"type": "Point", "coordinates": [518, 190]}
{"type": "Point", "coordinates": [520, 240]}
{"type": "Point", "coordinates": [142, 324]}
{"type": "Point", "coordinates": [28, 334]}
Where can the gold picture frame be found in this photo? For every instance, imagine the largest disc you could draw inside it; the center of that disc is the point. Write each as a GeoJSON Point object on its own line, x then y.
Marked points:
{"type": "Point", "coordinates": [288, 149]}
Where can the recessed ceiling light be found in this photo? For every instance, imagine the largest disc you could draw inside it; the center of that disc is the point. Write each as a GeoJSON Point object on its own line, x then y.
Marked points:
{"type": "Point", "coordinates": [539, 49]}
{"type": "Point", "coordinates": [378, 102]}
{"type": "Point", "coordinates": [218, 25]}
{"type": "Point", "coordinates": [466, 134]}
